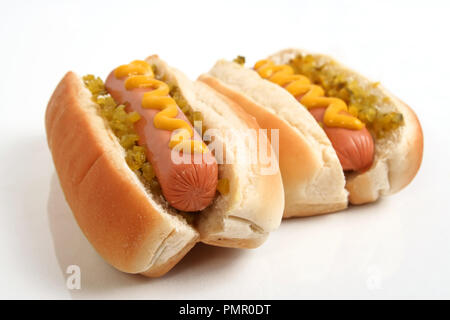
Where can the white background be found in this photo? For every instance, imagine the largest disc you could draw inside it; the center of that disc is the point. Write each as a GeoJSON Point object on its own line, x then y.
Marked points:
{"type": "Point", "coordinates": [396, 248]}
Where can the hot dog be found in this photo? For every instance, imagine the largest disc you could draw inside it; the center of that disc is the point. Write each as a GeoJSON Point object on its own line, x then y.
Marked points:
{"type": "Point", "coordinates": [348, 135]}
{"type": "Point", "coordinates": [113, 145]}
{"type": "Point", "coordinates": [343, 139]}
{"type": "Point", "coordinates": [354, 148]}
{"type": "Point", "coordinates": [186, 186]}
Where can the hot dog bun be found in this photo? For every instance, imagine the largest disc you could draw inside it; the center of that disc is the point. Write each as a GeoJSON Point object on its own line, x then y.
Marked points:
{"type": "Point", "coordinates": [312, 176]}
{"type": "Point", "coordinates": [132, 229]}
{"type": "Point", "coordinates": [397, 156]}
{"type": "Point", "coordinates": [241, 218]}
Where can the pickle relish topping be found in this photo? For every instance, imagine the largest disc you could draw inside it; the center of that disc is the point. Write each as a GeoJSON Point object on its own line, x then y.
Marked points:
{"type": "Point", "coordinates": [239, 60]}
{"type": "Point", "coordinates": [361, 103]}
{"type": "Point", "coordinates": [122, 124]}
{"type": "Point", "coordinates": [192, 116]}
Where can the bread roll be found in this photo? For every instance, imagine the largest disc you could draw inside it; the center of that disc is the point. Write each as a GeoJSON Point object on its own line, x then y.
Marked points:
{"type": "Point", "coordinates": [131, 228]}
{"type": "Point", "coordinates": [313, 178]}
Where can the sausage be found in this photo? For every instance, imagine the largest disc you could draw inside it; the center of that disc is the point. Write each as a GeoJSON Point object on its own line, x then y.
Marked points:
{"type": "Point", "coordinates": [354, 148]}
{"type": "Point", "coordinates": [187, 186]}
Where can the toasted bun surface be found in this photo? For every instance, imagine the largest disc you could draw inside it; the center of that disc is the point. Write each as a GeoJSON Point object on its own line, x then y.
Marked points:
{"type": "Point", "coordinates": [129, 227]}
{"type": "Point", "coordinates": [305, 151]}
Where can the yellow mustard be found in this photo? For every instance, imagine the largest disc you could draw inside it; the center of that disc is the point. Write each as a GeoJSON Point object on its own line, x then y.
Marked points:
{"type": "Point", "coordinates": [312, 96]}
{"type": "Point", "coordinates": [140, 75]}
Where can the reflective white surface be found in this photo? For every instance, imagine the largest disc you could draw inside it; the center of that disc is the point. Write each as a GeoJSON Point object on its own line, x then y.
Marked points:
{"type": "Point", "coordinates": [396, 248]}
